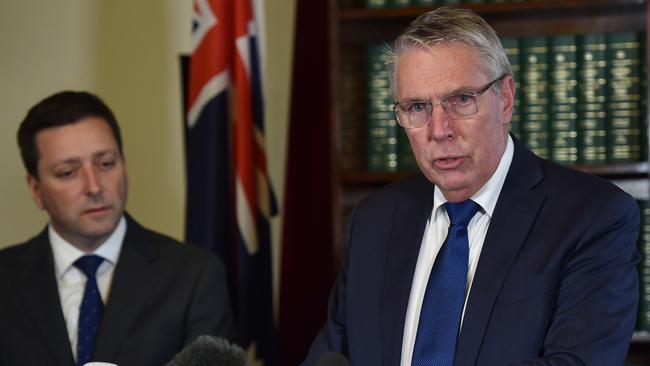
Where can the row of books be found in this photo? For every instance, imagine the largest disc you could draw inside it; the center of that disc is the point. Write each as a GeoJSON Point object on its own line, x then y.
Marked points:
{"type": "Point", "coordinates": [580, 100]}
{"type": "Point", "coordinates": [387, 148]}
{"type": "Point", "coordinates": [374, 4]}
{"type": "Point", "coordinates": [580, 97]}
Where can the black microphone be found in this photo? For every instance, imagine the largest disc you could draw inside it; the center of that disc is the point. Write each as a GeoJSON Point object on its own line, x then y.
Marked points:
{"type": "Point", "coordinates": [332, 359]}
{"type": "Point", "coordinates": [210, 351]}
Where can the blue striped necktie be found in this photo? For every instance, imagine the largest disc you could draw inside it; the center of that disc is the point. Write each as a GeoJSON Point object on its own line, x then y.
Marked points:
{"type": "Point", "coordinates": [90, 310]}
{"type": "Point", "coordinates": [442, 306]}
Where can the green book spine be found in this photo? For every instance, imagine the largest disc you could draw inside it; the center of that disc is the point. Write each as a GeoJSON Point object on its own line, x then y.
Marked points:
{"type": "Point", "coordinates": [423, 2]}
{"type": "Point", "coordinates": [351, 101]}
{"type": "Point", "coordinates": [535, 103]}
{"type": "Point", "coordinates": [511, 47]}
{"type": "Point", "coordinates": [592, 90]}
{"type": "Point", "coordinates": [563, 85]}
{"type": "Point", "coordinates": [376, 4]}
{"type": "Point", "coordinates": [381, 123]}
{"type": "Point", "coordinates": [400, 3]}
{"type": "Point", "coordinates": [644, 99]}
{"type": "Point", "coordinates": [623, 97]}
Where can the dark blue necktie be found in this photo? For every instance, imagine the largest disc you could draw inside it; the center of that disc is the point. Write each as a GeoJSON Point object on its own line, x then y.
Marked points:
{"type": "Point", "coordinates": [442, 306]}
{"type": "Point", "coordinates": [90, 310]}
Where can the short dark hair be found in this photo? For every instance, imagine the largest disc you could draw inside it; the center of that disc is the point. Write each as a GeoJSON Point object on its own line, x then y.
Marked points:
{"type": "Point", "coordinates": [60, 109]}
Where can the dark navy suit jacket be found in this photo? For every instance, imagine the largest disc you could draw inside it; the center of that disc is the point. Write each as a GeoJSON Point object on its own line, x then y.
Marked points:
{"type": "Point", "coordinates": [163, 295]}
{"type": "Point", "coordinates": [556, 282]}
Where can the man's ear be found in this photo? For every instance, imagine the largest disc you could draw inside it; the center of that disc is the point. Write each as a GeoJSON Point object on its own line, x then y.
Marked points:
{"type": "Point", "coordinates": [34, 188]}
{"type": "Point", "coordinates": [507, 97]}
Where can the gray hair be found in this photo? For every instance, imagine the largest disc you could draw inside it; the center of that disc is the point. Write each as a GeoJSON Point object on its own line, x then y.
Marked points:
{"type": "Point", "coordinates": [452, 25]}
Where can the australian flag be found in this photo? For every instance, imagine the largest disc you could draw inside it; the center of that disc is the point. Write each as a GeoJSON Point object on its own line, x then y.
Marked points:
{"type": "Point", "coordinates": [229, 196]}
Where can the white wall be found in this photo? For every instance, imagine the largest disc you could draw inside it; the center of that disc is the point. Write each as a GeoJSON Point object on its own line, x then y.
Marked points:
{"type": "Point", "coordinates": [126, 51]}
{"type": "Point", "coordinates": [43, 48]}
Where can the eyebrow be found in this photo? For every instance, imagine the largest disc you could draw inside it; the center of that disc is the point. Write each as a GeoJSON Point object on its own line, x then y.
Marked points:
{"type": "Point", "coordinates": [111, 152]}
{"type": "Point", "coordinates": [414, 100]}
{"type": "Point", "coordinates": [459, 90]}
{"type": "Point", "coordinates": [97, 155]}
{"type": "Point", "coordinates": [70, 161]}
{"type": "Point", "coordinates": [462, 90]}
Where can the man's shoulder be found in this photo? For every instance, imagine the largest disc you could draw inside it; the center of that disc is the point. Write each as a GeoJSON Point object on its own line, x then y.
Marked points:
{"type": "Point", "coordinates": [567, 191]}
{"type": "Point", "coordinates": [175, 264]}
{"type": "Point", "coordinates": [415, 187]}
{"type": "Point", "coordinates": [24, 251]}
{"type": "Point", "coordinates": [561, 178]}
{"type": "Point", "coordinates": [545, 175]}
{"type": "Point", "coordinates": [163, 245]}
{"type": "Point", "coordinates": [13, 254]}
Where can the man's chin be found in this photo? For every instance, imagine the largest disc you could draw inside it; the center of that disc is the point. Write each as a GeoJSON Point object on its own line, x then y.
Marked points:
{"type": "Point", "coordinates": [454, 189]}
{"type": "Point", "coordinates": [99, 231]}
{"type": "Point", "coordinates": [92, 240]}
{"type": "Point", "coordinates": [448, 180]}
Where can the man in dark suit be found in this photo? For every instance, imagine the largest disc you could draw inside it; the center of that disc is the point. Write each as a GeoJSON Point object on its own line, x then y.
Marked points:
{"type": "Point", "coordinates": [145, 296]}
{"type": "Point", "coordinates": [540, 269]}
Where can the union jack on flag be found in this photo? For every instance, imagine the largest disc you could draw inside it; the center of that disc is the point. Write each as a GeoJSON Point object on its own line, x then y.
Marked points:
{"type": "Point", "coordinates": [230, 200]}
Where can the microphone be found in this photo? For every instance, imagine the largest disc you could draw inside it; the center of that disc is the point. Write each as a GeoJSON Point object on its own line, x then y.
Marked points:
{"type": "Point", "coordinates": [332, 359]}
{"type": "Point", "coordinates": [210, 351]}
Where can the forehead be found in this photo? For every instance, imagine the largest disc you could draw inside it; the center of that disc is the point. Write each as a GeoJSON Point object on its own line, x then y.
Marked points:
{"type": "Point", "coordinates": [78, 140]}
{"type": "Point", "coordinates": [438, 70]}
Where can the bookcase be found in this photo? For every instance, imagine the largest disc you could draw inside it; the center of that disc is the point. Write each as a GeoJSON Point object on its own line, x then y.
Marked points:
{"type": "Point", "coordinates": [370, 151]}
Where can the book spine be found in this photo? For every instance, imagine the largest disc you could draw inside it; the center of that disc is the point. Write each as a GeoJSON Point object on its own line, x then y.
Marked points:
{"type": "Point", "coordinates": [381, 123]}
{"type": "Point", "coordinates": [376, 4]}
{"type": "Point", "coordinates": [623, 97]}
{"type": "Point", "coordinates": [399, 3]}
{"type": "Point", "coordinates": [563, 85]}
{"type": "Point", "coordinates": [351, 101]}
{"type": "Point", "coordinates": [511, 47]}
{"type": "Point", "coordinates": [644, 100]}
{"type": "Point", "coordinates": [592, 90]}
{"type": "Point", "coordinates": [424, 2]}
{"type": "Point", "coordinates": [535, 103]}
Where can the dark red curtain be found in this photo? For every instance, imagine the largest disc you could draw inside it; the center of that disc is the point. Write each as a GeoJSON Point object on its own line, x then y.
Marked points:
{"type": "Point", "coordinates": [307, 230]}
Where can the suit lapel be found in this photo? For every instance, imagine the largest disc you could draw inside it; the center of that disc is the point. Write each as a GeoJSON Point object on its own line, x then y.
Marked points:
{"type": "Point", "coordinates": [410, 218]}
{"type": "Point", "coordinates": [38, 291]}
{"type": "Point", "coordinates": [132, 281]}
{"type": "Point", "coordinates": [513, 216]}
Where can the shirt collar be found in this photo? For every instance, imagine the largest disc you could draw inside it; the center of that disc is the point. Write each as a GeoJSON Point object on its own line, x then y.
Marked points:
{"type": "Point", "coordinates": [65, 254]}
{"type": "Point", "coordinates": [487, 196]}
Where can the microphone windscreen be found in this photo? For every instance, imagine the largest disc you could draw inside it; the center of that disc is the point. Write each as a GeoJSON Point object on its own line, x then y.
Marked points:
{"type": "Point", "coordinates": [332, 359]}
{"type": "Point", "coordinates": [209, 351]}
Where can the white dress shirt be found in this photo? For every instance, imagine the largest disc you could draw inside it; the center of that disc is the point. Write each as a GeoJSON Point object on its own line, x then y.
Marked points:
{"type": "Point", "coordinates": [435, 234]}
{"type": "Point", "coordinates": [72, 281]}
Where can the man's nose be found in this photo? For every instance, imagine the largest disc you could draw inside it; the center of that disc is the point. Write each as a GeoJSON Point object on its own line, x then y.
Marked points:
{"type": "Point", "coordinates": [92, 183]}
{"type": "Point", "coordinates": [439, 124]}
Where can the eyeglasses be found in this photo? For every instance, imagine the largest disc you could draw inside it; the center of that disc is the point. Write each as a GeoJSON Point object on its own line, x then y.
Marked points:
{"type": "Point", "coordinates": [457, 106]}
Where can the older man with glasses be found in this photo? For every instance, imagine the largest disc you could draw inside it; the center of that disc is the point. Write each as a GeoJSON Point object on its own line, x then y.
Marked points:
{"type": "Point", "coordinates": [492, 256]}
